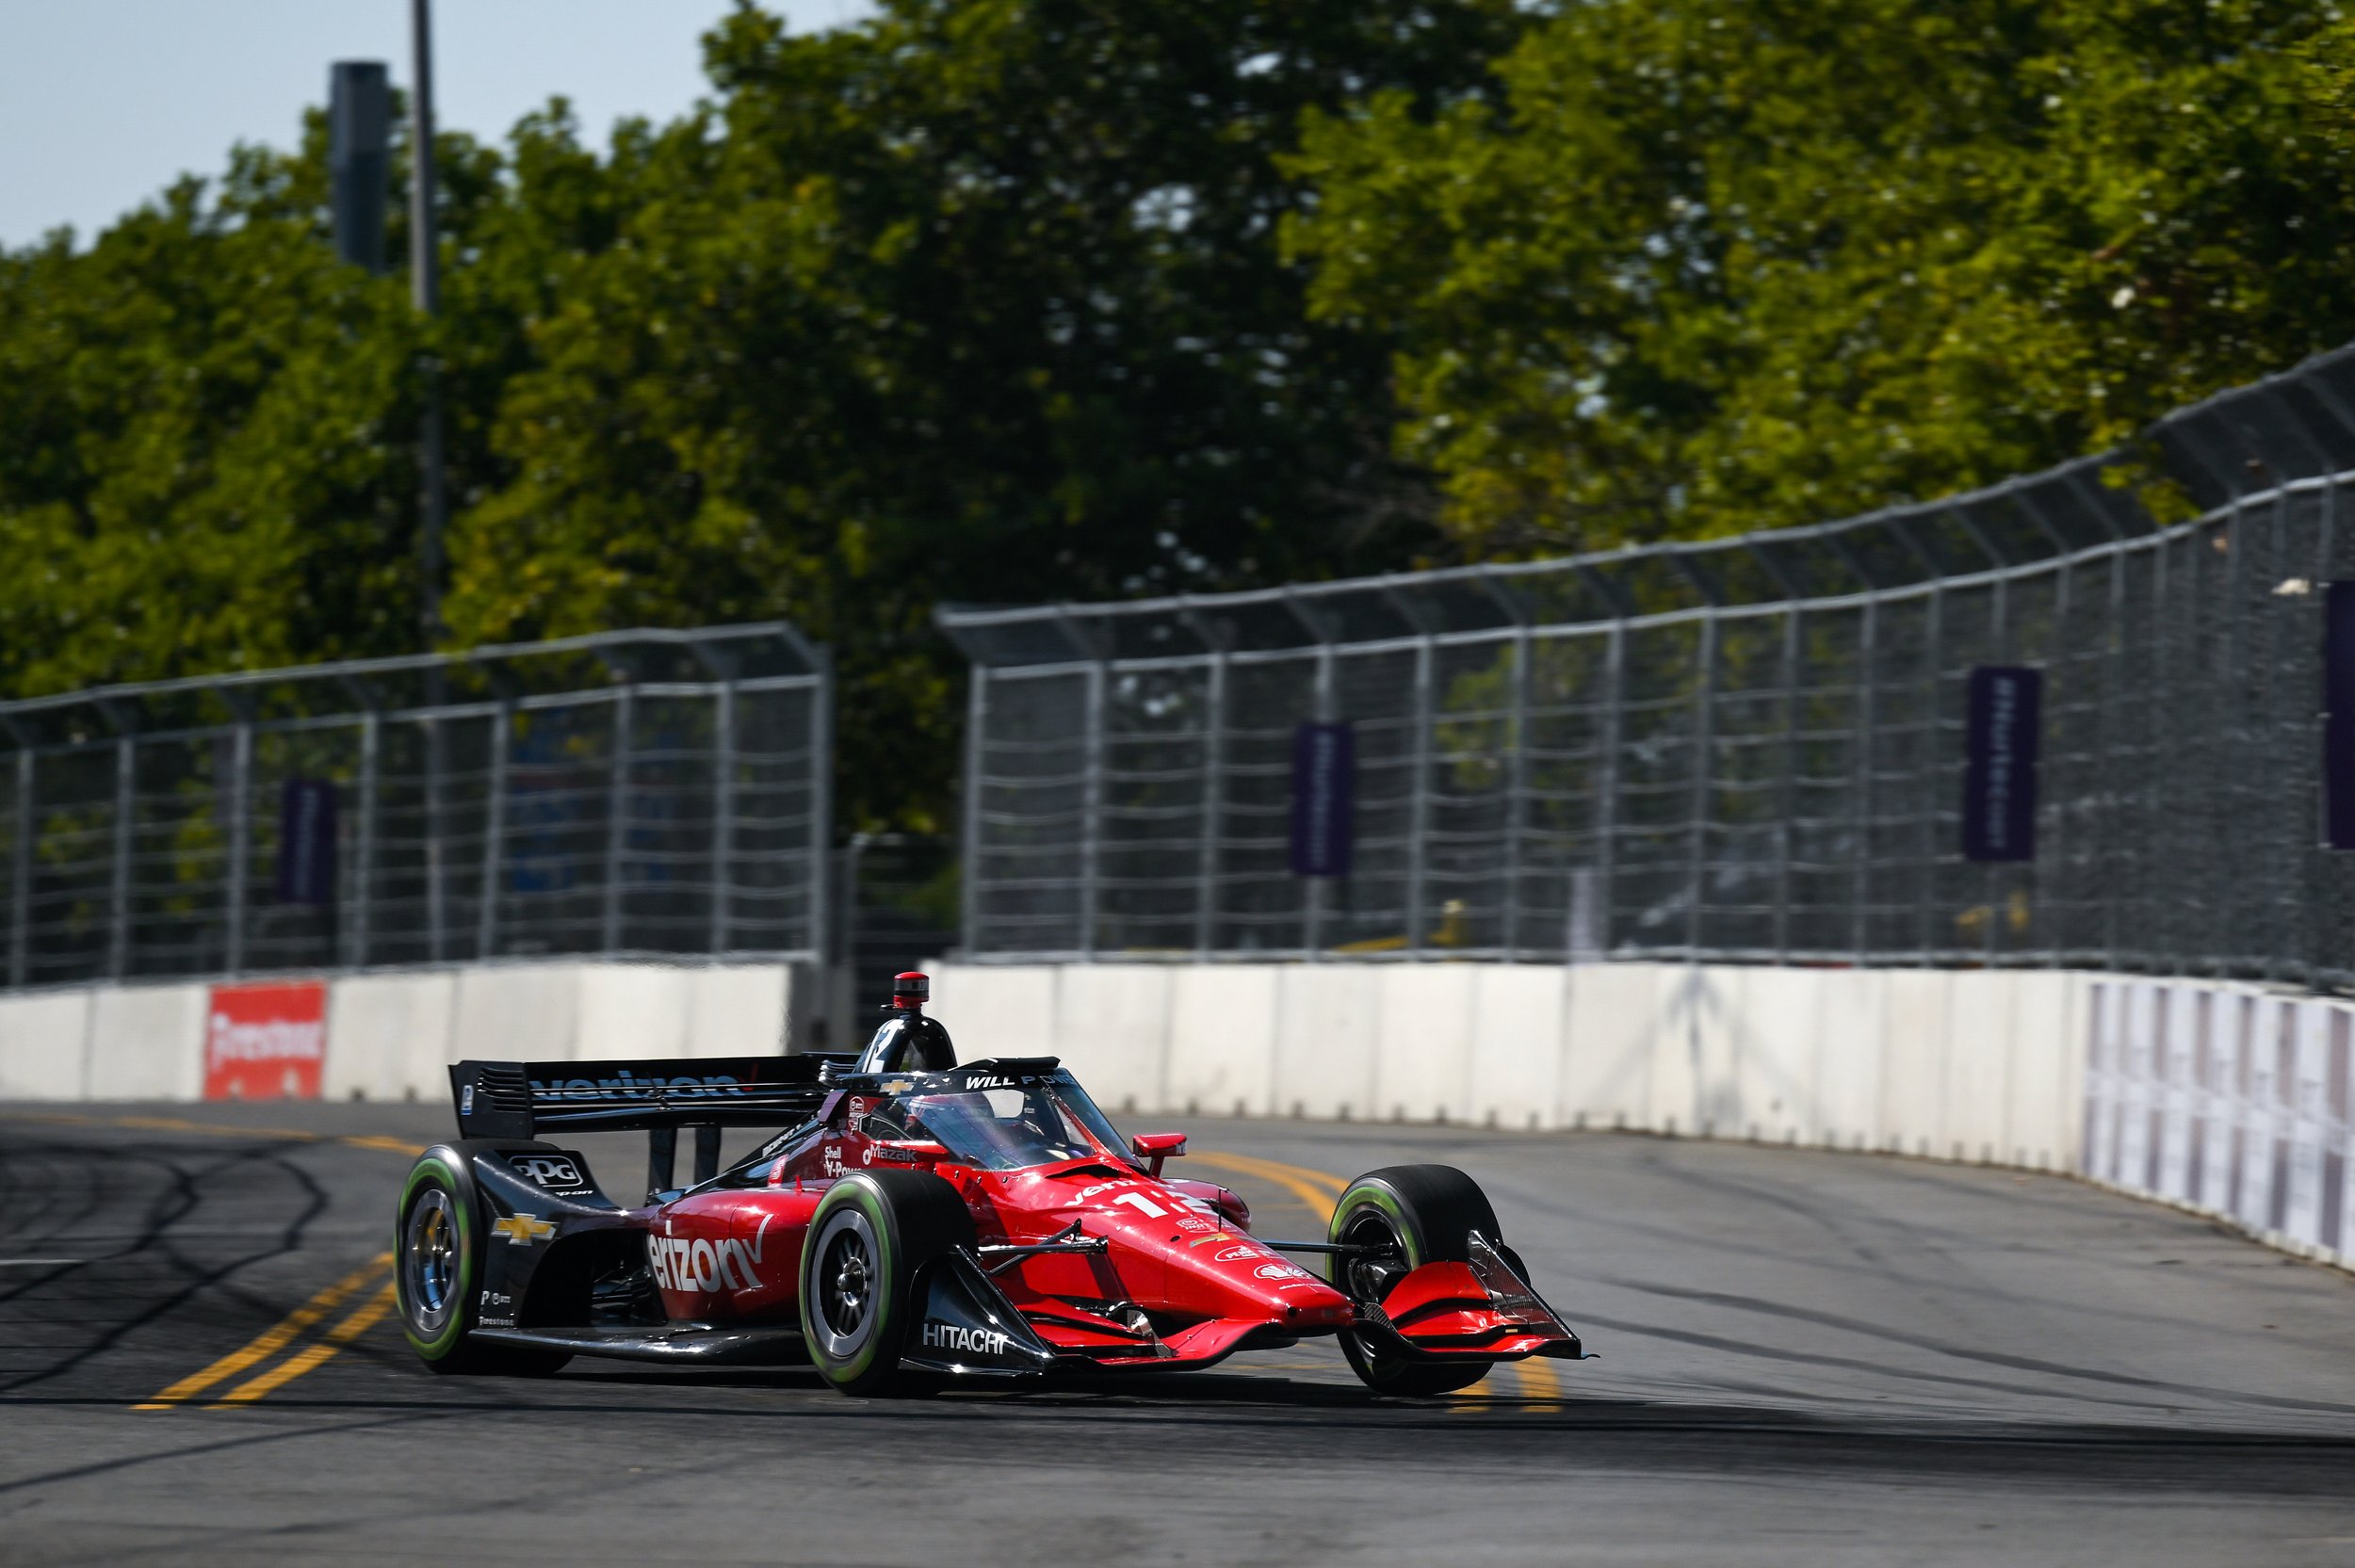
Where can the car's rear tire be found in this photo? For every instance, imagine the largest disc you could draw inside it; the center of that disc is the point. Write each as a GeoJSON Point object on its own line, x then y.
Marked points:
{"type": "Point", "coordinates": [870, 1241]}
{"type": "Point", "coordinates": [438, 1239]}
{"type": "Point", "coordinates": [1421, 1214]}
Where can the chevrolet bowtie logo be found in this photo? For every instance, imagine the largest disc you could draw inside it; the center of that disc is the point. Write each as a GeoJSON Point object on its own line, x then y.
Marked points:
{"type": "Point", "coordinates": [522, 1230]}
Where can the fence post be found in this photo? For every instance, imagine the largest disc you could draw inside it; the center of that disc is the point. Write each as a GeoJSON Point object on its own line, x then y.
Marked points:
{"type": "Point", "coordinates": [2057, 839]}
{"type": "Point", "coordinates": [1704, 768]}
{"type": "Point", "coordinates": [1312, 901]}
{"type": "Point", "coordinates": [1789, 794]}
{"type": "Point", "coordinates": [1607, 787]}
{"type": "Point", "coordinates": [2115, 825]}
{"type": "Point", "coordinates": [617, 813]}
{"type": "Point", "coordinates": [1418, 802]}
{"type": "Point", "coordinates": [21, 872]}
{"type": "Point", "coordinates": [119, 907]}
{"type": "Point", "coordinates": [1926, 767]}
{"type": "Point", "coordinates": [1092, 808]}
{"type": "Point", "coordinates": [364, 874]}
{"type": "Point", "coordinates": [976, 721]}
{"type": "Point", "coordinates": [1517, 792]}
{"type": "Point", "coordinates": [821, 800]}
{"type": "Point", "coordinates": [1868, 712]}
{"type": "Point", "coordinates": [436, 913]}
{"type": "Point", "coordinates": [723, 813]}
{"type": "Point", "coordinates": [1214, 804]}
{"type": "Point", "coordinates": [494, 831]}
{"type": "Point", "coordinates": [240, 843]}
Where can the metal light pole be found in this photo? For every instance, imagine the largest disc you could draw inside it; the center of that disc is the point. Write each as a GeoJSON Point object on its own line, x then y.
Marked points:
{"type": "Point", "coordinates": [424, 284]}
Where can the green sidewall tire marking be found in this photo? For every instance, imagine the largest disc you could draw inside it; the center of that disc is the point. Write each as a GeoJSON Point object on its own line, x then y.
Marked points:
{"type": "Point", "coordinates": [1368, 1195]}
{"type": "Point", "coordinates": [870, 1204]}
{"type": "Point", "coordinates": [455, 1331]}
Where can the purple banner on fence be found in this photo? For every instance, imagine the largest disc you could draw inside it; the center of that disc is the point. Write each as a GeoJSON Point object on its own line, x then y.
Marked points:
{"type": "Point", "coordinates": [1999, 784]}
{"type": "Point", "coordinates": [1324, 777]}
{"type": "Point", "coordinates": [2338, 705]}
{"type": "Point", "coordinates": [306, 842]}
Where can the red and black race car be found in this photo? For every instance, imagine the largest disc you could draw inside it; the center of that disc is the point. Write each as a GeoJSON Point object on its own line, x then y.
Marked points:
{"type": "Point", "coordinates": [917, 1221]}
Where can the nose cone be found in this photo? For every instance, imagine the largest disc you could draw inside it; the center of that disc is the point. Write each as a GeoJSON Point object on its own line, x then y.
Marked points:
{"type": "Point", "coordinates": [1236, 1276]}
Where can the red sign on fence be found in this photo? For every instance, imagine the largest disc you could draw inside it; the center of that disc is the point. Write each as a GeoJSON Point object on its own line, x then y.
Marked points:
{"type": "Point", "coordinates": [265, 1042]}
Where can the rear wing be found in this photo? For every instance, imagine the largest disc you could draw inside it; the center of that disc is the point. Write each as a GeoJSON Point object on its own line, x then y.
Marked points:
{"type": "Point", "coordinates": [526, 1099]}
{"type": "Point", "coordinates": [523, 1099]}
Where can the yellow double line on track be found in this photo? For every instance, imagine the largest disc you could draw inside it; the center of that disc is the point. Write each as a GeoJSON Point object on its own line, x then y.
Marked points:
{"type": "Point", "coordinates": [1317, 1191]}
{"type": "Point", "coordinates": [283, 1333]}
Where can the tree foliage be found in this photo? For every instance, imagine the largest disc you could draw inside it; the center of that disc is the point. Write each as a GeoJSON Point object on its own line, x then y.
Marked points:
{"type": "Point", "coordinates": [1717, 264]}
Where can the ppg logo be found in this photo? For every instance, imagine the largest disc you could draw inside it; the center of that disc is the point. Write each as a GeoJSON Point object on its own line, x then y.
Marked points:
{"type": "Point", "coordinates": [554, 1171]}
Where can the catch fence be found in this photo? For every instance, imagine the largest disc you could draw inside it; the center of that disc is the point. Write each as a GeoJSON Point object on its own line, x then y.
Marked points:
{"type": "Point", "coordinates": [642, 792]}
{"type": "Point", "coordinates": [1738, 749]}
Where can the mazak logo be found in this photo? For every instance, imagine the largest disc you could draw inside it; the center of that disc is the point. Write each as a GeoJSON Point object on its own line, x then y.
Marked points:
{"type": "Point", "coordinates": [550, 1171]}
{"type": "Point", "coordinates": [1281, 1271]}
{"type": "Point", "coordinates": [955, 1336]}
{"type": "Point", "coordinates": [708, 1266]}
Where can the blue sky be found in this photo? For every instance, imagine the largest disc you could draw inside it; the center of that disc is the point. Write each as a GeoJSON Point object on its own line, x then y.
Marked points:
{"type": "Point", "coordinates": [105, 103]}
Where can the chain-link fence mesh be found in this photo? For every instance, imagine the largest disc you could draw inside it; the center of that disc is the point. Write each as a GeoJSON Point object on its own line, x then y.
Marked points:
{"type": "Point", "coordinates": [636, 793]}
{"type": "Point", "coordinates": [1745, 749]}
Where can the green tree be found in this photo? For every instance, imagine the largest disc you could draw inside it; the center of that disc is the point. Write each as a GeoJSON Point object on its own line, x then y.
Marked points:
{"type": "Point", "coordinates": [979, 301]}
{"type": "Point", "coordinates": [1714, 266]}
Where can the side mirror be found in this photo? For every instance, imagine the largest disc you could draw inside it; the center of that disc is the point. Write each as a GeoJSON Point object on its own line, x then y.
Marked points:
{"type": "Point", "coordinates": [911, 1151]}
{"type": "Point", "coordinates": [1157, 1147]}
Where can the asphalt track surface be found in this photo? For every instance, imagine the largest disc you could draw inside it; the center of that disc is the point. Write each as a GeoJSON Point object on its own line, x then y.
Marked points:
{"type": "Point", "coordinates": [1806, 1359]}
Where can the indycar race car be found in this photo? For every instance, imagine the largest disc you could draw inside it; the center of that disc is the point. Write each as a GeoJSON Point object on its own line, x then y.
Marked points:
{"type": "Point", "coordinates": [917, 1221]}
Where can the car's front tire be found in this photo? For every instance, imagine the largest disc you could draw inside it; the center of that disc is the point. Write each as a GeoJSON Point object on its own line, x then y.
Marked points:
{"type": "Point", "coordinates": [870, 1241]}
{"type": "Point", "coordinates": [1417, 1214]}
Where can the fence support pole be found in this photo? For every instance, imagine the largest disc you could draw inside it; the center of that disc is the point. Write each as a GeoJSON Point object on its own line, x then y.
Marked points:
{"type": "Point", "coordinates": [1092, 809]}
{"type": "Point", "coordinates": [1213, 806]}
{"type": "Point", "coordinates": [821, 803]}
{"type": "Point", "coordinates": [118, 905]}
{"type": "Point", "coordinates": [2057, 837]}
{"type": "Point", "coordinates": [1927, 767]}
{"type": "Point", "coordinates": [723, 813]}
{"type": "Point", "coordinates": [1516, 792]}
{"type": "Point", "coordinates": [617, 814]}
{"type": "Point", "coordinates": [494, 832]}
{"type": "Point", "coordinates": [437, 893]}
{"type": "Point", "coordinates": [1704, 769]}
{"type": "Point", "coordinates": [1868, 682]}
{"type": "Point", "coordinates": [21, 874]}
{"type": "Point", "coordinates": [976, 721]}
{"type": "Point", "coordinates": [1312, 900]}
{"type": "Point", "coordinates": [2116, 824]}
{"type": "Point", "coordinates": [240, 843]}
{"type": "Point", "coordinates": [1418, 802]}
{"type": "Point", "coordinates": [1789, 793]}
{"type": "Point", "coordinates": [1607, 787]}
{"type": "Point", "coordinates": [364, 874]}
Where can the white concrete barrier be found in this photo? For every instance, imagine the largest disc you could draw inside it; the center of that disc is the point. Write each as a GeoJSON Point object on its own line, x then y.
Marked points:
{"type": "Point", "coordinates": [2228, 1099]}
{"type": "Point", "coordinates": [44, 1046]}
{"type": "Point", "coordinates": [147, 1042]}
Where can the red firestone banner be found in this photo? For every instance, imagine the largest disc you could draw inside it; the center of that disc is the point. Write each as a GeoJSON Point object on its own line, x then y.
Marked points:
{"type": "Point", "coordinates": [265, 1042]}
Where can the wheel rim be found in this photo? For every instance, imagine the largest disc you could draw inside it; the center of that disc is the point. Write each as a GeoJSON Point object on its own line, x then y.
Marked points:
{"type": "Point", "coordinates": [1368, 1278]}
{"type": "Point", "coordinates": [429, 1259]}
{"type": "Point", "coordinates": [846, 1286]}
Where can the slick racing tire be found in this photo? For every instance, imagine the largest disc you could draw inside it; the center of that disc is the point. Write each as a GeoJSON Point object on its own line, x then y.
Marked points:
{"type": "Point", "coordinates": [1418, 1214]}
{"type": "Point", "coordinates": [438, 1237]}
{"type": "Point", "coordinates": [862, 1272]}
